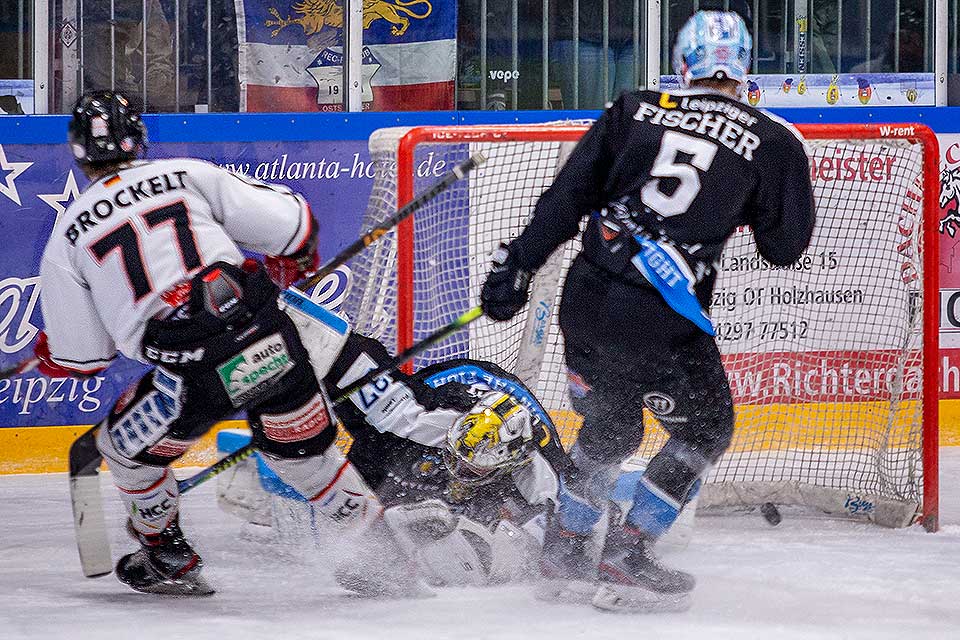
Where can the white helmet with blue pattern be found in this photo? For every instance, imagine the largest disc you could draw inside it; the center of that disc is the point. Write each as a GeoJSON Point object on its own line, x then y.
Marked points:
{"type": "Point", "coordinates": [713, 44]}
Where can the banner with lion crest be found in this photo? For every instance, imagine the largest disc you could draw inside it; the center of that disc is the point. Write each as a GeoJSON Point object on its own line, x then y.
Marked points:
{"type": "Point", "coordinates": [291, 54]}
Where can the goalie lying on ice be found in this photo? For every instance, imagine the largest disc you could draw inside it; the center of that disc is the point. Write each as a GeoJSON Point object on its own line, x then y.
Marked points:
{"type": "Point", "coordinates": [461, 454]}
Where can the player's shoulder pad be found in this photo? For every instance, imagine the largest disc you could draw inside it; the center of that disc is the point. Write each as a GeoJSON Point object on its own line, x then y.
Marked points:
{"type": "Point", "coordinates": [356, 346]}
{"type": "Point", "coordinates": [788, 132]}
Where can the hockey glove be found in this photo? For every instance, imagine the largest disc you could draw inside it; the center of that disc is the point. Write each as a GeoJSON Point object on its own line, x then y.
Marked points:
{"type": "Point", "coordinates": [285, 270]}
{"type": "Point", "coordinates": [505, 291]}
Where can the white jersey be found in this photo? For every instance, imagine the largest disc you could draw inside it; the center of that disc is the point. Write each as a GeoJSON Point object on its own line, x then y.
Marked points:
{"type": "Point", "coordinates": [133, 235]}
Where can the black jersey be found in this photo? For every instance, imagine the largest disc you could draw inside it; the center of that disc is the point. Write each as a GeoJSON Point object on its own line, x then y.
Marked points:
{"type": "Point", "coordinates": [399, 424]}
{"type": "Point", "coordinates": [682, 169]}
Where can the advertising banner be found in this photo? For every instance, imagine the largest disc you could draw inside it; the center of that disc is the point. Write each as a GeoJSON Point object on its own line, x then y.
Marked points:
{"type": "Point", "coordinates": [38, 182]}
{"type": "Point", "coordinates": [291, 55]}
{"type": "Point", "coordinates": [833, 90]}
{"type": "Point", "coordinates": [949, 198]}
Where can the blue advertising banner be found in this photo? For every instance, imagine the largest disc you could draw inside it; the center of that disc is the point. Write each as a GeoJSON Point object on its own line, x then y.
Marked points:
{"type": "Point", "coordinates": [37, 184]}
{"type": "Point", "coordinates": [38, 180]}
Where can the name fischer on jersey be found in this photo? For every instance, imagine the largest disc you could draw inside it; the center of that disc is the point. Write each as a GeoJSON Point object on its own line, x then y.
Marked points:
{"type": "Point", "coordinates": [122, 198]}
{"type": "Point", "coordinates": [724, 122]}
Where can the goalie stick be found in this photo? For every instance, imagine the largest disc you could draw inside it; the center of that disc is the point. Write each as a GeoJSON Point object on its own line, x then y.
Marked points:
{"type": "Point", "coordinates": [89, 522]}
{"type": "Point", "coordinates": [371, 236]}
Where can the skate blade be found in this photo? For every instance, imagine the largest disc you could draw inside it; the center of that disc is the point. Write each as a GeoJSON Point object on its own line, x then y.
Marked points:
{"type": "Point", "coordinates": [193, 587]}
{"type": "Point", "coordinates": [569, 591]}
{"type": "Point", "coordinates": [624, 599]}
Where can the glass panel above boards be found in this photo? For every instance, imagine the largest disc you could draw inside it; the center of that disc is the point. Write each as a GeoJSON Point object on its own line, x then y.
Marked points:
{"type": "Point", "coordinates": [828, 52]}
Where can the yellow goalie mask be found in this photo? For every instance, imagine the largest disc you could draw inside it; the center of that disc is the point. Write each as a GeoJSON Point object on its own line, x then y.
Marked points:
{"type": "Point", "coordinates": [493, 438]}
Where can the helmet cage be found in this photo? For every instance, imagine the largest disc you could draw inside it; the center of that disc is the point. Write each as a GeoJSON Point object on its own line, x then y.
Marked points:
{"type": "Point", "coordinates": [492, 439]}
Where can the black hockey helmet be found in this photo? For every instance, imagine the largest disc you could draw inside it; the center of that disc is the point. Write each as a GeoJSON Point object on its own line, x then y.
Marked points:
{"type": "Point", "coordinates": [105, 129]}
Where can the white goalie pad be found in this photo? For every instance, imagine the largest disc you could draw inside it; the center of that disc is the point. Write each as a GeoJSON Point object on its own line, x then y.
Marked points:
{"type": "Point", "coordinates": [515, 553]}
{"type": "Point", "coordinates": [318, 494]}
{"type": "Point", "coordinates": [239, 493]}
{"type": "Point", "coordinates": [322, 331]}
{"type": "Point", "coordinates": [453, 550]}
{"type": "Point", "coordinates": [340, 498]}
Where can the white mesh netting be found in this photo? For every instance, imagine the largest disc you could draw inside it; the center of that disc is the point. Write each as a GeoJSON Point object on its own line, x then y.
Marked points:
{"type": "Point", "coordinates": [824, 357]}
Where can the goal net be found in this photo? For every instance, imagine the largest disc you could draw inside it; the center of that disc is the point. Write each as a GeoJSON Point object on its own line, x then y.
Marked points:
{"type": "Point", "coordinates": [832, 360]}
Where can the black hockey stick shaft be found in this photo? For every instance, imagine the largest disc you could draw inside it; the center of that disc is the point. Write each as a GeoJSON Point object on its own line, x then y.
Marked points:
{"type": "Point", "coordinates": [245, 452]}
{"type": "Point", "coordinates": [371, 236]}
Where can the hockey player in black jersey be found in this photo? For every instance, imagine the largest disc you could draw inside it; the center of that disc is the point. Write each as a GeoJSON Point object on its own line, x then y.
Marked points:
{"type": "Point", "coordinates": [448, 413]}
{"type": "Point", "coordinates": [665, 179]}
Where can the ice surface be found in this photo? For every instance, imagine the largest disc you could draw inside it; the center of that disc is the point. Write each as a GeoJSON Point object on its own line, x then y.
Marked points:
{"type": "Point", "coordinates": [803, 579]}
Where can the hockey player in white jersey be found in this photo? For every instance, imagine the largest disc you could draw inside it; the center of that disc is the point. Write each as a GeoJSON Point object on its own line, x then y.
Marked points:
{"type": "Point", "coordinates": [146, 262]}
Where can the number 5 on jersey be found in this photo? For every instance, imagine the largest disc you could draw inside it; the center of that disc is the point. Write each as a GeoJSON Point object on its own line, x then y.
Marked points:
{"type": "Point", "coordinates": [668, 165]}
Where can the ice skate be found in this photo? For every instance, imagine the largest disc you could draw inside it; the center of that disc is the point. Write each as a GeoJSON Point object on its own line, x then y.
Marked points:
{"type": "Point", "coordinates": [632, 578]}
{"type": "Point", "coordinates": [568, 571]}
{"type": "Point", "coordinates": [165, 564]}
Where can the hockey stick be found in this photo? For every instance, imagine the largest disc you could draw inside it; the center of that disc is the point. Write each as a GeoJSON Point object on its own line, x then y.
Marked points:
{"type": "Point", "coordinates": [245, 452]}
{"type": "Point", "coordinates": [21, 367]}
{"type": "Point", "coordinates": [371, 236]}
{"type": "Point", "coordinates": [88, 519]}
{"type": "Point", "coordinates": [84, 459]}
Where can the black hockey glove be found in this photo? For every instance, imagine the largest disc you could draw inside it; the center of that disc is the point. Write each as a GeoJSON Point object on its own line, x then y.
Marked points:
{"type": "Point", "coordinates": [505, 291]}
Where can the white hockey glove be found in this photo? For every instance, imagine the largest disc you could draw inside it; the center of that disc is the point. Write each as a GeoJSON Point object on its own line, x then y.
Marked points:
{"type": "Point", "coordinates": [322, 332]}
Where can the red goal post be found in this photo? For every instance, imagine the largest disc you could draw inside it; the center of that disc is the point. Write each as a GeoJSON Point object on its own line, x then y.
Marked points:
{"type": "Point", "coordinates": [863, 373]}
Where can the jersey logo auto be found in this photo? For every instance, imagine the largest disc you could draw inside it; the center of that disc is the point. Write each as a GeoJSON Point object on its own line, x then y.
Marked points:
{"type": "Point", "coordinates": [248, 373]}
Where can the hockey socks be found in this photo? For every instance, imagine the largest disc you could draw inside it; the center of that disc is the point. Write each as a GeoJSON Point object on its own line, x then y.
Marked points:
{"type": "Point", "coordinates": [653, 511]}
{"type": "Point", "coordinates": [575, 514]}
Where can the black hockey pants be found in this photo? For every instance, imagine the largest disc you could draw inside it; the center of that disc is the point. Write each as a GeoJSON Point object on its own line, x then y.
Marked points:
{"type": "Point", "coordinates": [626, 350]}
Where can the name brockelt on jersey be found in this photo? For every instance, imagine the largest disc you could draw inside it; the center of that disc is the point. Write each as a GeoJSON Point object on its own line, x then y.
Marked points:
{"type": "Point", "coordinates": [127, 196]}
{"type": "Point", "coordinates": [724, 122]}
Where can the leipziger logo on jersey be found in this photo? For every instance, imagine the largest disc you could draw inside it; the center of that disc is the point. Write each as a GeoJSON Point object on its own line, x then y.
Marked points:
{"type": "Point", "coordinates": [244, 375]}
